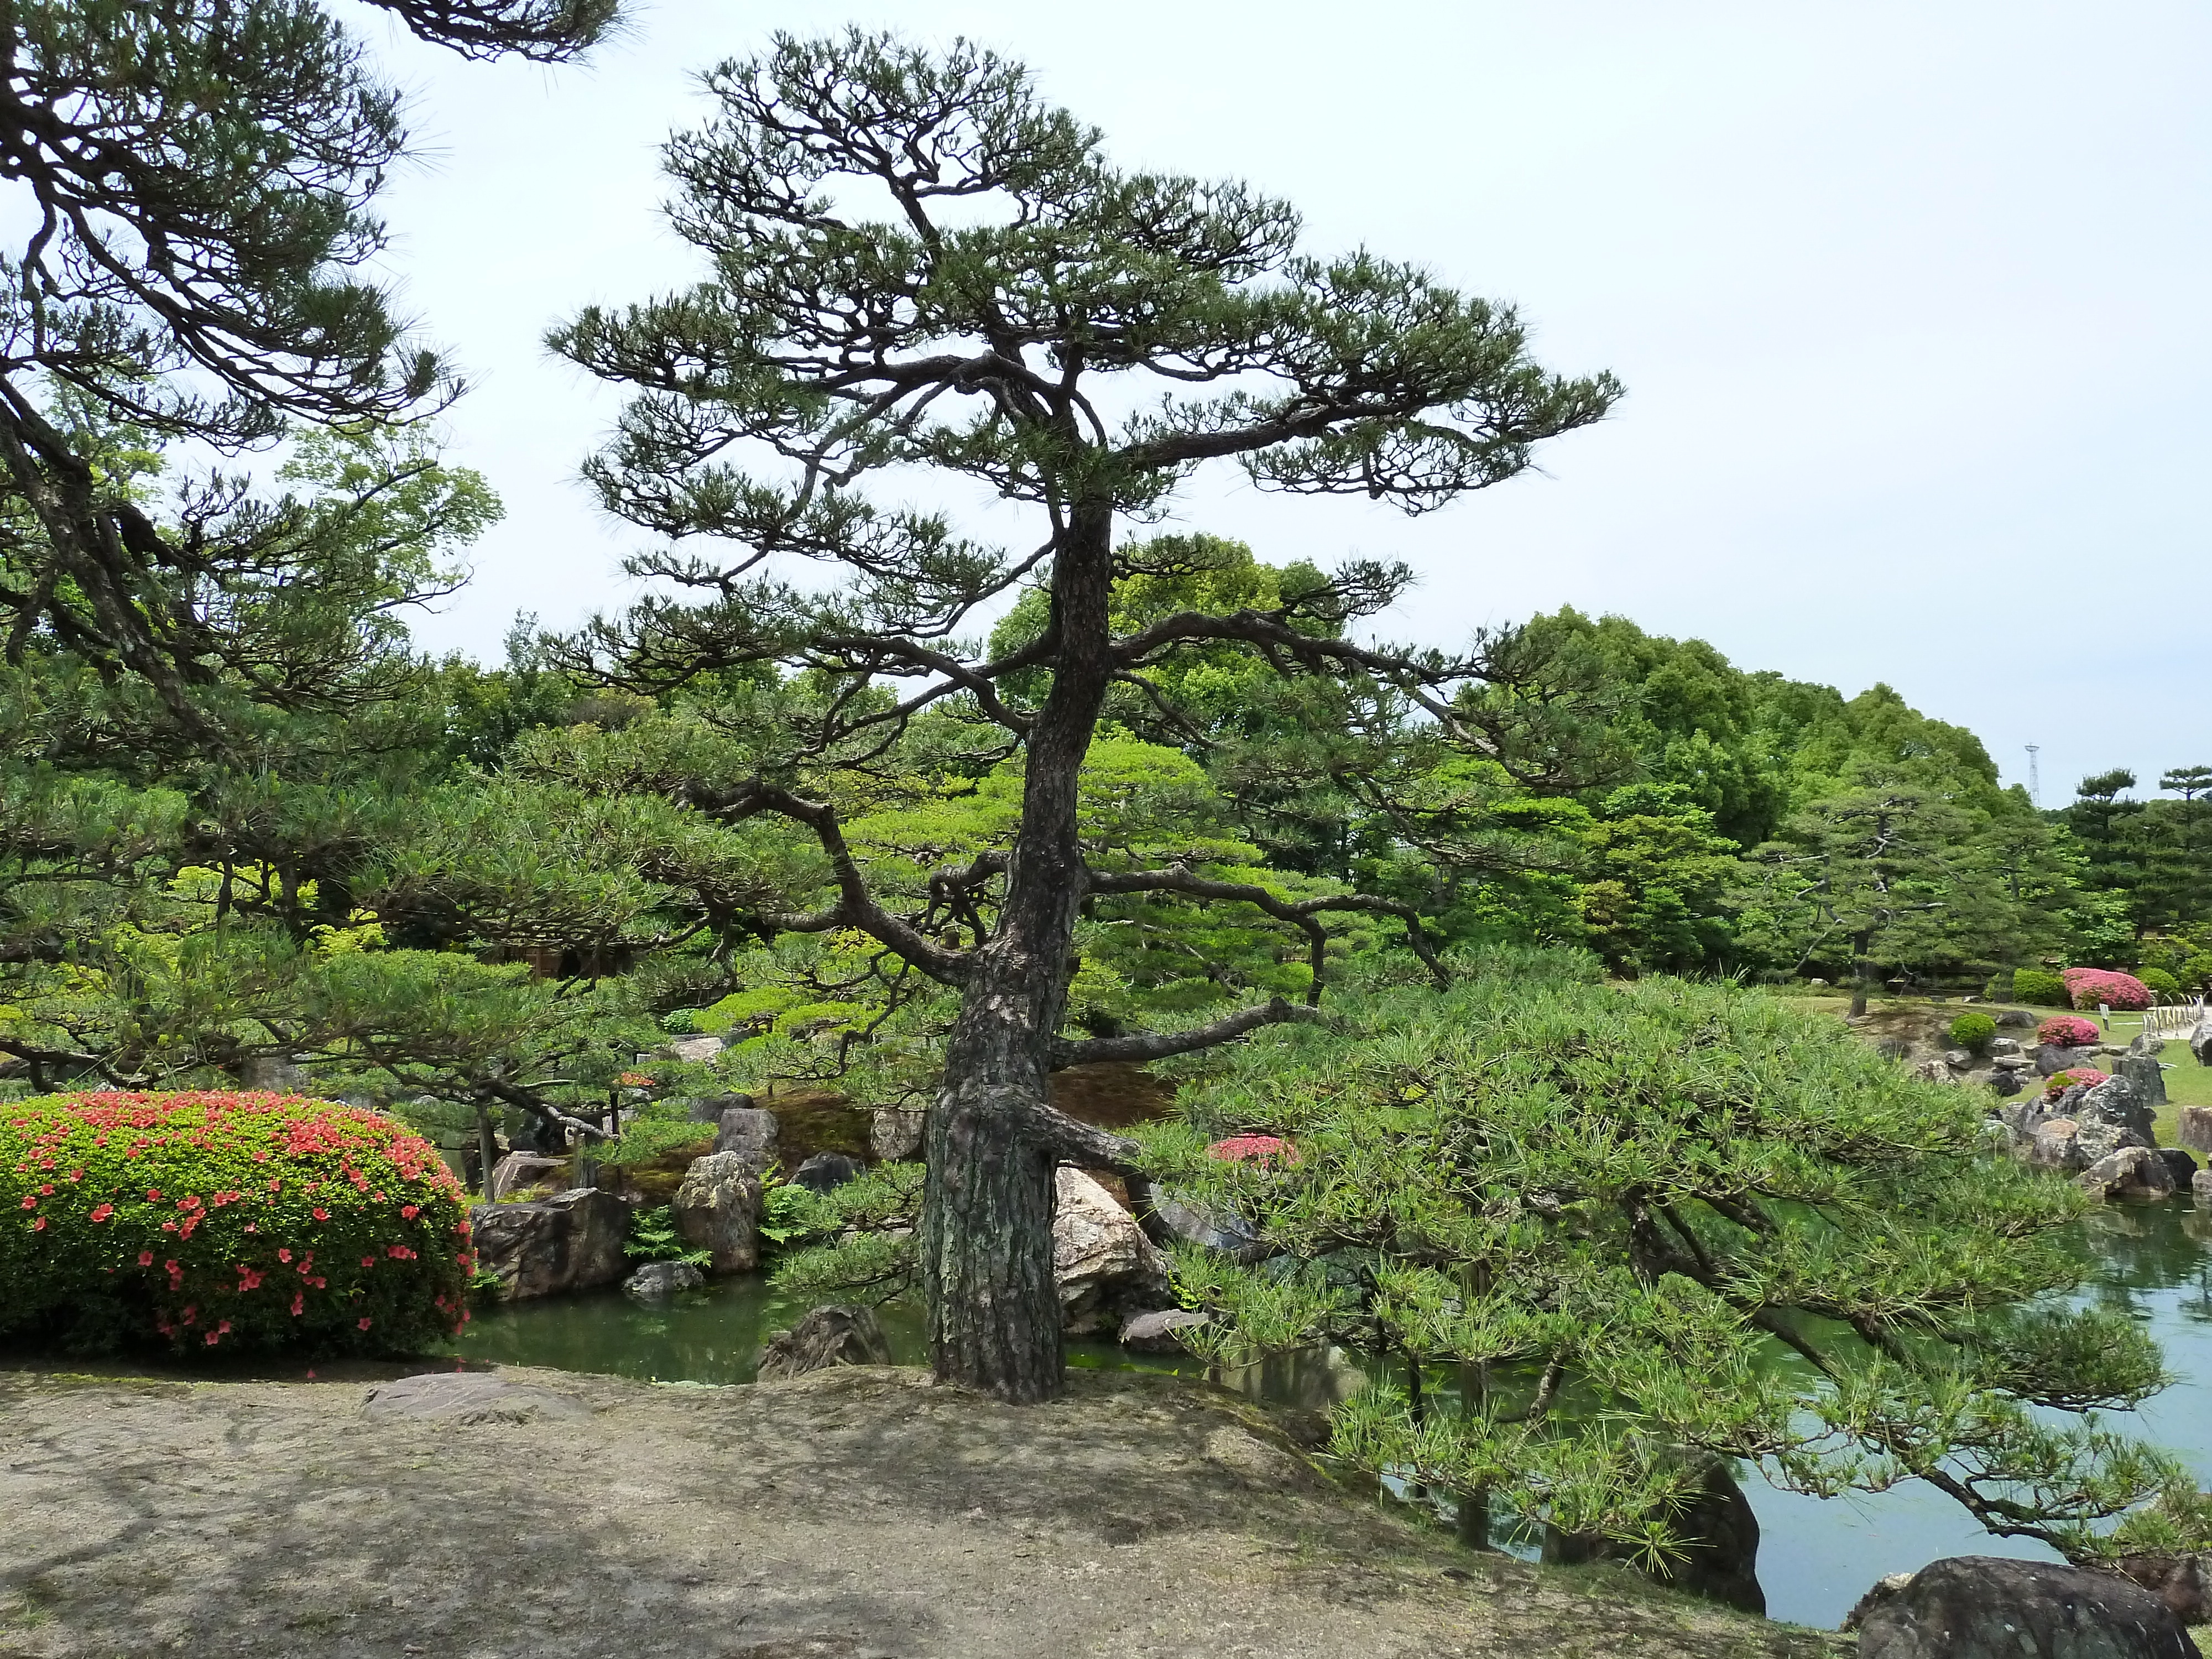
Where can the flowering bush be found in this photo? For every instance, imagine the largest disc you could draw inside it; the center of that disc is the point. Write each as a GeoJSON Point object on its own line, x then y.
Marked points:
{"type": "Point", "coordinates": [2090, 986]}
{"type": "Point", "coordinates": [1263, 1150]}
{"type": "Point", "coordinates": [2065, 1031]}
{"type": "Point", "coordinates": [226, 1220]}
{"type": "Point", "coordinates": [2060, 1082]}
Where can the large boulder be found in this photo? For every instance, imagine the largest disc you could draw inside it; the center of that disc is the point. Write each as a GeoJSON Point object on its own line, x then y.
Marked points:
{"type": "Point", "coordinates": [658, 1280]}
{"type": "Point", "coordinates": [572, 1241]}
{"type": "Point", "coordinates": [2055, 1145]}
{"type": "Point", "coordinates": [696, 1050]}
{"type": "Point", "coordinates": [718, 1210]}
{"type": "Point", "coordinates": [2180, 1165]}
{"type": "Point", "coordinates": [2146, 1043]}
{"type": "Point", "coordinates": [827, 1336]}
{"type": "Point", "coordinates": [2147, 1077]}
{"type": "Point", "coordinates": [895, 1133]}
{"type": "Point", "coordinates": [2200, 1041]}
{"type": "Point", "coordinates": [2183, 1583]}
{"type": "Point", "coordinates": [1720, 1555]}
{"type": "Point", "coordinates": [2200, 1188]}
{"type": "Point", "coordinates": [2193, 1129]}
{"type": "Point", "coordinates": [1217, 1230]}
{"type": "Point", "coordinates": [2051, 1058]}
{"type": "Point", "coordinates": [2118, 1100]}
{"type": "Point", "coordinates": [2005, 1048]}
{"type": "Point", "coordinates": [747, 1130]}
{"type": "Point", "coordinates": [1982, 1607]}
{"type": "Point", "coordinates": [2132, 1172]}
{"type": "Point", "coordinates": [2015, 1017]}
{"type": "Point", "coordinates": [518, 1172]}
{"type": "Point", "coordinates": [825, 1172]}
{"type": "Point", "coordinates": [2099, 1139]}
{"type": "Point", "coordinates": [1104, 1265]}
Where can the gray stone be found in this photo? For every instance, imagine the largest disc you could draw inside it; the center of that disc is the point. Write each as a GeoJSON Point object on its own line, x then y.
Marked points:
{"type": "Point", "coordinates": [2132, 1172]}
{"type": "Point", "coordinates": [2005, 1048]}
{"type": "Point", "coordinates": [2193, 1129]}
{"type": "Point", "coordinates": [1720, 1534]}
{"type": "Point", "coordinates": [1161, 1333]}
{"type": "Point", "coordinates": [2099, 1139]}
{"type": "Point", "coordinates": [825, 1172]}
{"type": "Point", "coordinates": [276, 1075]}
{"type": "Point", "coordinates": [2053, 1144]}
{"type": "Point", "coordinates": [750, 1132]}
{"type": "Point", "coordinates": [2118, 1100]}
{"type": "Point", "coordinates": [2179, 1164]}
{"type": "Point", "coordinates": [1958, 1058]}
{"type": "Point", "coordinates": [2051, 1058]}
{"type": "Point", "coordinates": [696, 1050]}
{"type": "Point", "coordinates": [2182, 1581]}
{"type": "Point", "coordinates": [656, 1280]}
{"type": "Point", "coordinates": [468, 1397]}
{"type": "Point", "coordinates": [2145, 1044]}
{"type": "Point", "coordinates": [1893, 1048]}
{"type": "Point", "coordinates": [1105, 1268]}
{"type": "Point", "coordinates": [519, 1172]}
{"type": "Point", "coordinates": [2200, 1188]}
{"type": "Point", "coordinates": [1980, 1607]}
{"type": "Point", "coordinates": [827, 1336]}
{"type": "Point", "coordinates": [2006, 1083]}
{"type": "Point", "coordinates": [572, 1241]}
{"type": "Point", "coordinates": [718, 1210]}
{"type": "Point", "coordinates": [2015, 1017]}
{"type": "Point", "coordinates": [2147, 1076]}
{"type": "Point", "coordinates": [1217, 1230]}
{"type": "Point", "coordinates": [2200, 1040]}
{"type": "Point", "coordinates": [895, 1133]}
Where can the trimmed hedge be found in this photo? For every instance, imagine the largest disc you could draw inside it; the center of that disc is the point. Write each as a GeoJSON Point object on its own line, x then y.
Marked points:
{"type": "Point", "coordinates": [2161, 984]}
{"type": "Point", "coordinates": [206, 1220]}
{"type": "Point", "coordinates": [1973, 1031]}
{"type": "Point", "coordinates": [2040, 987]}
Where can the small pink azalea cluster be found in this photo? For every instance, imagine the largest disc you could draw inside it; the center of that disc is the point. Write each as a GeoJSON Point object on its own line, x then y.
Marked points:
{"type": "Point", "coordinates": [2062, 1081]}
{"type": "Point", "coordinates": [2065, 1031]}
{"type": "Point", "coordinates": [1264, 1150]}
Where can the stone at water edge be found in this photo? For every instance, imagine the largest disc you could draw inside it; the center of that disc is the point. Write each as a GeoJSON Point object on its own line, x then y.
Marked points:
{"type": "Point", "coordinates": [1982, 1607]}
{"type": "Point", "coordinates": [825, 1172]}
{"type": "Point", "coordinates": [1104, 1267]}
{"type": "Point", "coordinates": [519, 1172]}
{"type": "Point", "coordinates": [2200, 1188]}
{"type": "Point", "coordinates": [1218, 1230]}
{"type": "Point", "coordinates": [2055, 1145]}
{"type": "Point", "coordinates": [2179, 1164]}
{"type": "Point", "coordinates": [2133, 1172]}
{"type": "Point", "coordinates": [718, 1210]}
{"type": "Point", "coordinates": [2194, 1129]}
{"type": "Point", "coordinates": [656, 1280]}
{"type": "Point", "coordinates": [572, 1241]}
{"type": "Point", "coordinates": [2116, 1100]}
{"type": "Point", "coordinates": [1720, 1547]}
{"type": "Point", "coordinates": [468, 1397]}
{"type": "Point", "coordinates": [2100, 1140]}
{"type": "Point", "coordinates": [1161, 1333]}
{"type": "Point", "coordinates": [826, 1337]}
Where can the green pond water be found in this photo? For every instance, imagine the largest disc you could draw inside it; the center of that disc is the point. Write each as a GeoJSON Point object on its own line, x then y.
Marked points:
{"type": "Point", "coordinates": [1816, 1557]}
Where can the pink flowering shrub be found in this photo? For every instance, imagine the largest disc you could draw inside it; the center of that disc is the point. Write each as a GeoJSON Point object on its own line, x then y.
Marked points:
{"type": "Point", "coordinates": [2060, 1082]}
{"type": "Point", "coordinates": [1263, 1150]}
{"type": "Point", "coordinates": [211, 1221]}
{"type": "Point", "coordinates": [2065, 1031]}
{"type": "Point", "coordinates": [2090, 986]}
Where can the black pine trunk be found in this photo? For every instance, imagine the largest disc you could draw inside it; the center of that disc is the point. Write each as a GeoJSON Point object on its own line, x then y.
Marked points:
{"type": "Point", "coordinates": [988, 1204]}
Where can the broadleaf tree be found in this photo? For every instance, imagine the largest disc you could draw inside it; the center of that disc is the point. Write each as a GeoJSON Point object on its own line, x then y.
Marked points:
{"type": "Point", "coordinates": [920, 267]}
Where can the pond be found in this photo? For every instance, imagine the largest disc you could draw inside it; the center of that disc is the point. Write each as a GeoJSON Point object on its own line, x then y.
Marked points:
{"type": "Point", "coordinates": [1815, 1558]}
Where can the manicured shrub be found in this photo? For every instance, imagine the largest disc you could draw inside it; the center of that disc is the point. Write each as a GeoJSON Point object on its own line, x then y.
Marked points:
{"type": "Point", "coordinates": [2060, 1082]}
{"type": "Point", "coordinates": [2090, 986]}
{"type": "Point", "coordinates": [2038, 987]}
{"type": "Point", "coordinates": [218, 1220]}
{"type": "Point", "coordinates": [1972, 1031]}
{"type": "Point", "coordinates": [2065, 1031]}
{"type": "Point", "coordinates": [2162, 985]}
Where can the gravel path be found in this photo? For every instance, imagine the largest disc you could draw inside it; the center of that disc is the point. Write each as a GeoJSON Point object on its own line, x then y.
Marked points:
{"type": "Point", "coordinates": [850, 1514]}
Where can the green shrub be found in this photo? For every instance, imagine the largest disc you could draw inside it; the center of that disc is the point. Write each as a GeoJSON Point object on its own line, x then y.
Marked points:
{"type": "Point", "coordinates": [2163, 985]}
{"type": "Point", "coordinates": [209, 1220]}
{"type": "Point", "coordinates": [1972, 1031]}
{"type": "Point", "coordinates": [653, 1238]}
{"type": "Point", "coordinates": [2040, 987]}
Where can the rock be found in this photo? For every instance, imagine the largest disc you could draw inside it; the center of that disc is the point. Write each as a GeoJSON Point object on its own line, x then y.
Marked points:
{"type": "Point", "coordinates": [2016, 1018]}
{"type": "Point", "coordinates": [2006, 1082]}
{"type": "Point", "coordinates": [2194, 1129]}
{"type": "Point", "coordinates": [2116, 1100]}
{"type": "Point", "coordinates": [276, 1075]}
{"type": "Point", "coordinates": [2145, 1044]}
{"type": "Point", "coordinates": [2053, 1144]}
{"type": "Point", "coordinates": [657, 1280]}
{"type": "Point", "coordinates": [2183, 1583]}
{"type": "Point", "coordinates": [2200, 1188]}
{"type": "Point", "coordinates": [694, 1050]}
{"type": "Point", "coordinates": [2006, 1048]}
{"type": "Point", "coordinates": [466, 1397]}
{"type": "Point", "coordinates": [2098, 1139]}
{"type": "Point", "coordinates": [519, 1172]}
{"type": "Point", "coordinates": [827, 1336]}
{"type": "Point", "coordinates": [1932, 1070]}
{"type": "Point", "coordinates": [1957, 1059]}
{"type": "Point", "coordinates": [2179, 1164]}
{"type": "Point", "coordinates": [748, 1131]}
{"type": "Point", "coordinates": [2051, 1058]}
{"type": "Point", "coordinates": [718, 1209]}
{"type": "Point", "coordinates": [1981, 1607]}
{"type": "Point", "coordinates": [1160, 1332]}
{"type": "Point", "coordinates": [1816, 985]}
{"type": "Point", "coordinates": [1104, 1265]}
{"type": "Point", "coordinates": [825, 1172]}
{"type": "Point", "coordinates": [1720, 1556]}
{"type": "Point", "coordinates": [2132, 1172]}
{"type": "Point", "coordinates": [572, 1241]}
{"type": "Point", "coordinates": [1893, 1048]}
{"type": "Point", "coordinates": [895, 1133]}
{"type": "Point", "coordinates": [1217, 1230]}
{"type": "Point", "coordinates": [2012, 1062]}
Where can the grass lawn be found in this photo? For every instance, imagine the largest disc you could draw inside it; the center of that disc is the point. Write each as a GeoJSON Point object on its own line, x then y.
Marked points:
{"type": "Point", "coordinates": [2187, 1085]}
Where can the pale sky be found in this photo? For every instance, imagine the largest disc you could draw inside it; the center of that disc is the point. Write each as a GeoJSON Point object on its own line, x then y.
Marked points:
{"type": "Point", "coordinates": [1911, 303]}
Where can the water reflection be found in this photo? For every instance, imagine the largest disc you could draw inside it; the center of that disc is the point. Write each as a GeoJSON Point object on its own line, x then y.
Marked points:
{"type": "Point", "coordinates": [1816, 1557]}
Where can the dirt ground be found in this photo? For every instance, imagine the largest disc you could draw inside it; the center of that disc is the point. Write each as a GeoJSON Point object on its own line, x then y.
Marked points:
{"type": "Point", "coordinates": [856, 1514]}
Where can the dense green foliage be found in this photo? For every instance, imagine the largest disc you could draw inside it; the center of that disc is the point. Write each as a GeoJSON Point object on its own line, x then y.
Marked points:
{"type": "Point", "coordinates": [209, 1220]}
{"type": "Point", "coordinates": [1973, 1031]}
{"type": "Point", "coordinates": [1585, 1227]}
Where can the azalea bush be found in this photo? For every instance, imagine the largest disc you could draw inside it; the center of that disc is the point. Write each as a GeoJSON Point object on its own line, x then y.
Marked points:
{"type": "Point", "coordinates": [2065, 1031]}
{"type": "Point", "coordinates": [2089, 986]}
{"type": "Point", "coordinates": [2060, 1082]}
{"type": "Point", "coordinates": [207, 1220]}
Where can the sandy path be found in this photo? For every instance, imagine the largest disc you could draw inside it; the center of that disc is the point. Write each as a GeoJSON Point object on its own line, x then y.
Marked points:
{"type": "Point", "coordinates": [851, 1514]}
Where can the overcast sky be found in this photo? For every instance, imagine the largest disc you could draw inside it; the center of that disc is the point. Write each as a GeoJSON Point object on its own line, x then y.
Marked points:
{"type": "Point", "coordinates": [1911, 302]}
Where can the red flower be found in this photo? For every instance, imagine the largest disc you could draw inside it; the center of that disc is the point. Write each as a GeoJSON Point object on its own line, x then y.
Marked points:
{"type": "Point", "coordinates": [299, 1299]}
{"type": "Point", "coordinates": [409, 1211]}
{"type": "Point", "coordinates": [39, 1225]}
{"type": "Point", "coordinates": [101, 1211]}
{"type": "Point", "coordinates": [145, 1258]}
{"type": "Point", "coordinates": [284, 1255]}
{"type": "Point", "coordinates": [364, 1323]}
{"type": "Point", "coordinates": [322, 1214]}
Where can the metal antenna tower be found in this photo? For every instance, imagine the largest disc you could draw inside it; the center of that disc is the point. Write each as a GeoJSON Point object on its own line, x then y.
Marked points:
{"type": "Point", "coordinates": [2034, 782]}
